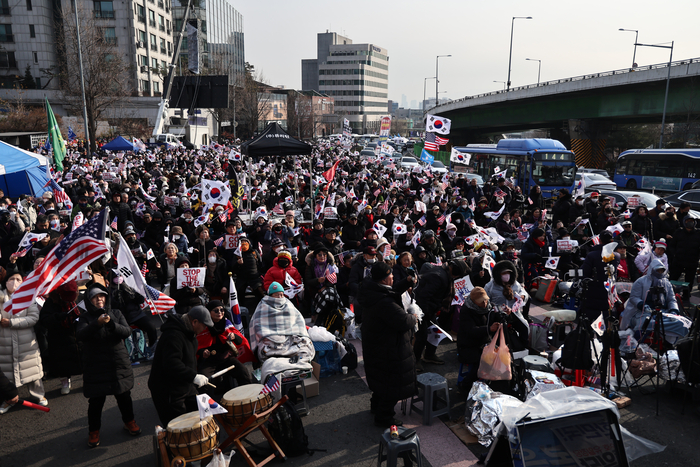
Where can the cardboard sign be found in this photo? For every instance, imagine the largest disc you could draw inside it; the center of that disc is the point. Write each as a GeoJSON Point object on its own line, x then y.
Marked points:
{"type": "Point", "coordinates": [634, 201]}
{"type": "Point", "coordinates": [330, 213]}
{"type": "Point", "coordinates": [231, 241]}
{"type": "Point", "coordinates": [564, 245]}
{"type": "Point", "coordinates": [171, 201]}
{"type": "Point", "coordinates": [190, 277]}
{"type": "Point", "coordinates": [462, 288]}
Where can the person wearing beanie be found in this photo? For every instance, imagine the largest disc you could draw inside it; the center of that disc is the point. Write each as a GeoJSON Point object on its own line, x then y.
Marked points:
{"type": "Point", "coordinates": [281, 266]}
{"type": "Point", "coordinates": [186, 297]}
{"type": "Point", "coordinates": [534, 254]}
{"type": "Point", "coordinates": [275, 288]}
{"type": "Point", "coordinates": [386, 343]}
{"type": "Point", "coordinates": [658, 252]}
{"type": "Point", "coordinates": [221, 346]}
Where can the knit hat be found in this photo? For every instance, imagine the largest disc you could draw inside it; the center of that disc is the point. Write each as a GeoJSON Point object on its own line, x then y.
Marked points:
{"type": "Point", "coordinates": [369, 232]}
{"type": "Point", "coordinates": [476, 293]}
{"type": "Point", "coordinates": [380, 271]}
{"type": "Point", "coordinates": [285, 254]}
{"type": "Point", "coordinates": [274, 288]}
{"type": "Point", "coordinates": [214, 304]}
{"type": "Point", "coordinates": [537, 233]}
{"type": "Point", "coordinates": [660, 244]}
{"type": "Point", "coordinates": [180, 261]}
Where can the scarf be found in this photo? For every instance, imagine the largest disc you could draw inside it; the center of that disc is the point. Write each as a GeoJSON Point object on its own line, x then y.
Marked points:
{"type": "Point", "coordinates": [320, 268]}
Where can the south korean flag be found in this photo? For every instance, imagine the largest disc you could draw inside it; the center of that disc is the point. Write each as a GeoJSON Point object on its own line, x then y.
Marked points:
{"type": "Point", "coordinates": [436, 124]}
{"type": "Point", "coordinates": [552, 262]}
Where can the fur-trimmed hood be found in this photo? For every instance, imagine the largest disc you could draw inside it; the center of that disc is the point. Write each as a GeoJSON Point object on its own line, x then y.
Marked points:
{"type": "Point", "coordinates": [500, 268]}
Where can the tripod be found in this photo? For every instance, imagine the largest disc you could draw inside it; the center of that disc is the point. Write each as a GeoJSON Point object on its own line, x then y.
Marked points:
{"type": "Point", "coordinates": [611, 345]}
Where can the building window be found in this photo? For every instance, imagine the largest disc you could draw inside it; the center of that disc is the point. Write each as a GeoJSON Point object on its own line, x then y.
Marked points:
{"type": "Point", "coordinates": [6, 33]}
{"type": "Point", "coordinates": [143, 60]}
{"type": "Point", "coordinates": [7, 60]}
{"type": "Point", "coordinates": [145, 85]}
{"type": "Point", "coordinates": [104, 9]}
{"type": "Point", "coordinates": [38, 82]}
{"type": "Point", "coordinates": [110, 35]}
{"type": "Point", "coordinates": [32, 32]}
{"type": "Point", "coordinates": [154, 62]}
{"type": "Point", "coordinates": [162, 46]}
{"type": "Point", "coordinates": [29, 5]}
{"type": "Point", "coordinates": [141, 13]}
{"type": "Point", "coordinates": [156, 87]}
{"type": "Point", "coordinates": [5, 7]}
{"type": "Point", "coordinates": [36, 57]}
{"type": "Point", "coordinates": [154, 43]}
{"type": "Point", "coordinates": [142, 38]}
{"type": "Point", "coordinates": [161, 22]}
{"type": "Point", "coordinates": [152, 18]}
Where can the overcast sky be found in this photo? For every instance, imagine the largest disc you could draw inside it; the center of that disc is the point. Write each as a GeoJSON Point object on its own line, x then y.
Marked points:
{"type": "Point", "coordinates": [571, 38]}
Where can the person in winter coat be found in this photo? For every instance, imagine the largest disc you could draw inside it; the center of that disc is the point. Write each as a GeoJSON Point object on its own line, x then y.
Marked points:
{"type": "Point", "coordinates": [642, 300]}
{"type": "Point", "coordinates": [120, 211]}
{"type": "Point", "coordinates": [216, 281]}
{"type": "Point", "coordinates": [596, 298]}
{"type": "Point", "coordinates": [478, 322]}
{"type": "Point", "coordinates": [474, 192]}
{"type": "Point", "coordinates": [166, 265]}
{"type": "Point", "coordinates": [281, 266]}
{"type": "Point", "coordinates": [536, 200]}
{"type": "Point", "coordinates": [479, 276]}
{"type": "Point", "coordinates": [331, 243]}
{"type": "Point", "coordinates": [435, 292]}
{"type": "Point", "coordinates": [247, 269]}
{"type": "Point", "coordinates": [562, 206]}
{"type": "Point", "coordinates": [505, 291]}
{"type": "Point", "coordinates": [281, 232]}
{"type": "Point", "coordinates": [174, 376]}
{"type": "Point", "coordinates": [404, 267]}
{"type": "Point", "coordinates": [343, 285]}
{"type": "Point", "coordinates": [361, 268]}
{"type": "Point", "coordinates": [317, 263]}
{"type": "Point", "coordinates": [534, 254]}
{"type": "Point", "coordinates": [658, 252]}
{"type": "Point", "coordinates": [685, 248]}
{"type": "Point", "coordinates": [578, 209]}
{"type": "Point", "coordinates": [432, 245]}
{"type": "Point", "coordinates": [8, 392]}
{"type": "Point", "coordinates": [386, 345]}
{"type": "Point", "coordinates": [186, 297]}
{"type": "Point", "coordinates": [353, 233]}
{"type": "Point", "coordinates": [106, 365]}
{"type": "Point", "coordinates": [218, 348]}
{"type": "Point", "coordinates": [666, 225]}
{"type": "Point", "coordinates": [58, 316]}
{"type": "Point", "coordinates": [642, 223]}
{"type": "Point", "coordinates": [201, 245]}
{"type": "Point", "coordinates": [19, 351]}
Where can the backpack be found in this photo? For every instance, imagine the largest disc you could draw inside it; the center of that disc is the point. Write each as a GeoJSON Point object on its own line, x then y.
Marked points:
{"type": "Point", "coordinates": [136, 345]}
{"type": "Point", "coordinates": [335, 321]}
{"type": "Point", "coordinates": [287, 430]}
{"type": "Point", "coordinates": [576, 354]}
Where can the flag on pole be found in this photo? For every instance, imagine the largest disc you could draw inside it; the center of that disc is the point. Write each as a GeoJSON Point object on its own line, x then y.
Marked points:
{"type": "Point", "coordinates": [399, 229]}
{"type": "Point", "coordinates": [379, 228]}
{"type": "Point", "coordinates": [292, 289]}
{"type": "Point", "coordinates": [430, 143]}
{"type": "Point", "coordinates": [437, 124]}
{"type": "Point", "coordinates": [235, 306]}
{"type": "Point", "coordinates": [71, 134]}
{"type": "Point", "coordinates": [113, 225]}
{"type": "Point", "coordinates": [272, 385]}
{"type": "Point", "coordinates": [329, 174]}
{"type": "Point", "coordinates": [159, 302]}
{"type": "Point", "coordinates": [59, 146]}
{"type": "Point", "coordinates": [331, 274]}
{"type": "Point", "coordinates": [552, 262]}
{"type": "Point", "coordinates": [80, 248]}
{"type": "Point", "coordinates": [441, 141]}
{"type": "Point", "coordinates": [208, 406]}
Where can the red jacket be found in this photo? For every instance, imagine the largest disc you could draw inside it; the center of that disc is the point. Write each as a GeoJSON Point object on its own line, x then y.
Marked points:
{"type": "Point", "coordinates": [277, 274]}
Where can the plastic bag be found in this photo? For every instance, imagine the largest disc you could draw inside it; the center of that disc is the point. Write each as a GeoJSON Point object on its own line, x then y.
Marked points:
{"type": "Point", "coordinates": [628, 343]}
{"type": "Point", "coordinates": [495, 362]}
{"type": "Point", "coordinates": [219, 459]}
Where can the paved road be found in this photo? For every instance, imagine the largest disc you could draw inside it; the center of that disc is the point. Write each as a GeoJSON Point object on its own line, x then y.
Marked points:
{"type": "Point", "coordinates": [339, 422]}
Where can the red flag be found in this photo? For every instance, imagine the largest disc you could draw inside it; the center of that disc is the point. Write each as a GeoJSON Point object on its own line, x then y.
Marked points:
{"type": "Point", "coordinates": [329, 174]}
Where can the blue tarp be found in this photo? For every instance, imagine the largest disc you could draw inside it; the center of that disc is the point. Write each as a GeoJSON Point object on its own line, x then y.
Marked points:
{"type": "Point", "coordinates": [22, 172]}
{"type": "Point", "coordinates": [118, 144]}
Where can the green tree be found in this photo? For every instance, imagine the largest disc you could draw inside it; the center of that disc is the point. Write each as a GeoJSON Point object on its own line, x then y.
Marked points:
{"type": "Point", "coordinates": [28, 81]}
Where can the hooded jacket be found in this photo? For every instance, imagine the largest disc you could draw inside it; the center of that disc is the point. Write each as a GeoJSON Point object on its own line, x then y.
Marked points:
{"type": "Point", "coordinates": [279, 274]}
{"type": "Point", "coordinates": [494, 288]}
{"type": "Point", "coordinates": [175, 363]}
{"type": "Point", "coordinates": [386, 341]}
{"type": "Point", "coordinates": [19, 350]}
{"type": "Point", "coordinates": [634, 308]}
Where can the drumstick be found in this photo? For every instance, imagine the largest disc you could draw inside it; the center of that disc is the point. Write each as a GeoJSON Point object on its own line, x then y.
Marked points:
{"type": "Point", "coordinates": [211, 385]}
{"type": "Point", "coordinates": [219, 373]}
{"type": "Point", "coordinates": [32, 405]}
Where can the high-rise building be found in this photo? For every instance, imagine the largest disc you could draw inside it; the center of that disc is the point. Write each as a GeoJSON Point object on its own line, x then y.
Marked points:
{"type": "Point", "coordinates": [355, 75]}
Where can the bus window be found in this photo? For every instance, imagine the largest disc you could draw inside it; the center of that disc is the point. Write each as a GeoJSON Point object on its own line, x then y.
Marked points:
{"type": "Point", "coordinates": [550, 174]}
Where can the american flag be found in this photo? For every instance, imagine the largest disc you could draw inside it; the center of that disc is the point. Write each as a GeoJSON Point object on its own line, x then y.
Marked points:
{"type": "Point", "coordinates": [272, 385]}
{"type": "Point", "coordinates": [59, 194]}
{"type": "Point", "coordinates": [113, 225]}
{"type": "Point", "coordinates": [160, 303]}
{"type": "Point", "coordinates": [596, 240]}
{"type": "Point", "coordinates": [223, 217]}
{"type": "Point", "coordinates": [80, 248]}
{"type": "Point", "coordinates": [376, 192]}
{"type": "Point", "coordinates": [385, 205]}
{"type": "Point", "coordinates": [330, 274]}
{"type": "Point", "coordinates": [441, 141]}
{"type": "Point", "coordinates": [430, 144]}
{"type": "Point", "coordinates": [219, 241]}
{"type": "Point", "coordinates": [441, 219]}
{"type": "Point", "coordinates": [279, 209]}
{"type": "Point", "coordinates": [421, 221]}
{"type": "Point", "coordinates": [144, 269]}
{"type": "Point", "coordinates": [500, 194]}
{"type": "Point", "coordinates": [341, 258]}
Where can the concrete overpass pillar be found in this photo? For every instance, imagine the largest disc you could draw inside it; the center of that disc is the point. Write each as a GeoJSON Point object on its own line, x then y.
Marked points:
{"type": "Point", "coordinates": [585, 143]}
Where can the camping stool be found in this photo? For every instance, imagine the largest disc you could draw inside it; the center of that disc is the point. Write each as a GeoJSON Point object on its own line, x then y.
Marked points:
{"type": "Point", "coordinates": [431, 384]}
{"type": "Point", "coordinates": [290, 382]}
{"type": "Point", "coordinates": [395, 446]}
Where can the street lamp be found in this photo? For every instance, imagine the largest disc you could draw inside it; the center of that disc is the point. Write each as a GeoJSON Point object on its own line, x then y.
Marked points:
{"type": "Point", "coordinates": [510, 55]}
{"type": "Point", "coordinates": [436, 76]}
{"type": "Point", "coordinates": [636, 36]}
{"type": "Point", "coordinates": [668, 81]}
{"type": "Point", "coordinates": [425, 81]}
{"type": "Point", "coordinates": [539, 67]}
{"type": "Point", "coordinates": [502, 82]}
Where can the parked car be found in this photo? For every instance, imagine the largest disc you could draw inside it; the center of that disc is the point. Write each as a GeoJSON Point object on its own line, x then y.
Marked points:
{"type": "Point", "coordinates": [602, 172]}
{"type": "Point", "coordinates": [479, 179]}
{"type": "Point", "coordinates": [596, 182]}
{"type": "Point", "coordinates": [365, 153]}
{"type": "Point", "coordinates": [690, 196]}
{"type": "Point", "coordinates": [622, 197]}
{"type": "Point", "coordinates": [438, 167]}
{"type": "Point", "coordinates": [408, 162]}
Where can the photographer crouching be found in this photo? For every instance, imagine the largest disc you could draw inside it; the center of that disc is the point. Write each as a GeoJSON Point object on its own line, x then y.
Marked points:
{"type": "Point", "coordinates": [478, 322]}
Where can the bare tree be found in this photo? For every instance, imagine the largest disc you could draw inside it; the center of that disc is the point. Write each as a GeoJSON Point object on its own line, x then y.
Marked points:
{"type": "Point", "coordinates": [252, 101]}
{"type": "Point", "coordinates": [18, 116]}
{"type": "Point", "coordinates": [106, 71]}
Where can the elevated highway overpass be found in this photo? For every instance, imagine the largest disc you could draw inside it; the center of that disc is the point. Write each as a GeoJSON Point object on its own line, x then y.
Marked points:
{"type": "Point", "coordinates": [579, 110]}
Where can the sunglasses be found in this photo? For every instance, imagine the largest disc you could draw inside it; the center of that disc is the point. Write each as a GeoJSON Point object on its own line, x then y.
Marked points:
{"type": "Point", "coordinates": [217, 310]}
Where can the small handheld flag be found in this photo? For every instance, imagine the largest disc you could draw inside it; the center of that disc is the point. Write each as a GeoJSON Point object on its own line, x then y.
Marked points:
{"type": "Point", "coordinates": [272, 385]}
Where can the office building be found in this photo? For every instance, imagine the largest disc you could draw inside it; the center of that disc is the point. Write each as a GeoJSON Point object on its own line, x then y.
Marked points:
{"type": "Point", "coordinates": [355, 75]}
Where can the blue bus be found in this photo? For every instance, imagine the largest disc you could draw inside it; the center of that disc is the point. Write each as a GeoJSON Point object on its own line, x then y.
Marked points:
{"type": "Point", "coordinates": [536, 161]}
{"type": "Point", "coordinates": [658, 169]}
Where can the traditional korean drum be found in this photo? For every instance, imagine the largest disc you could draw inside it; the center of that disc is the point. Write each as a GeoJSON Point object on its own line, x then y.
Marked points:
{"type": "Point", "coordinates": [244, 401]}
{"type": "Point", "coordinates": [190, 437]}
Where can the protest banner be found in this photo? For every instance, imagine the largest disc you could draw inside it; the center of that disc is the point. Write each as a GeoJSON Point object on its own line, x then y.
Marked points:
{"type": "Point", "coordinates": [190, 277]}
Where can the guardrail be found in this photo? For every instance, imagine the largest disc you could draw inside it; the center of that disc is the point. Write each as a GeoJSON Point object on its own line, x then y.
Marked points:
{"type": "Point", "coordinates": [576, 78]}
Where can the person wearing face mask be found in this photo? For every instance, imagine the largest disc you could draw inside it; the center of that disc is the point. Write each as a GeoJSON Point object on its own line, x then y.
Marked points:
{"type": "Point", "coordinates": [317, 264]}
{"type": "Point", "coordinates": [658, 252]}
{"type": "Point", "coordinates": [644, 298]}
{"type": "Point", "coordinates": [642, 223]}
{"type": "Point", "coordinates": [131, 304]}
{"type": "Point", "coordinates": [247, 268]}
{"type": "Point", "coordinates": [281, 232]}
{"type": "Point", "coordinates": [106, 365]}
{"type": "Point", "coordinates": [607, 216]}
{"type": "Point", "coordinates": [216, 280]}
{"type": "Point", "coordinates": [592, 208]}
{"type": "Point", "coordinates": [578, 208]}
{"type": "Point", "coordinates": [20, 359]}
{"type": "Point", "coordinates": [186, 223]}
{"type": "Point", "coordinates": [275, 247]}
{"type": "Point", "coordinates": [281, 266]}
{"type": "Point", "coordinates": [464, 208]}
{"type": "Point", "coordinates": [505, 228]}
{"type": "Point", "coordinates": [504, 289]}
{"type": "Point", "coordinates": [666, 224]}
{"type": "Point", "coordinates": [447, 238]}
{"type": "Point", "coordinates": [178, 238]}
